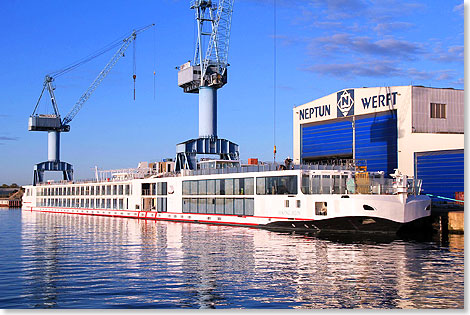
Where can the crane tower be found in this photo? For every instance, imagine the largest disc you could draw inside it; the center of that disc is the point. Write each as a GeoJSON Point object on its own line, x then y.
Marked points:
{"type": "Point", "coordinates": [54, 124]}
{"type": "Point", "coordinates": [205, 75]}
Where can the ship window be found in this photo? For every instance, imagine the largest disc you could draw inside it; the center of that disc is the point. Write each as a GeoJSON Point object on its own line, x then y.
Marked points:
{"type": "Point", "coordinates": [121, 204]}
{"type": "Point", "coordinates": [193, 207]}
{"type": "Point", "coordinates": [108, 203]}
{"type": "Point", "coordinates": [87, 190]}
{"type": "Point", "coordinates": [321, 208]}
{"type": "Point", "coordinates": [219, 205]}
{"type": "Point", "coordinates": [68, 203]}
{"type": "Point", "coordinates": [92, 203]}
{"type": "Point", "coordinates": [211, 205]}
{"type": "Point", "coordinates": [186, 205]}
{"type": "Point", "coordinates": [114, 203]}
{"type": "Point", "coordinates": [87, 203]}
{"type": "Point", "coordinates": [121, 189]}
{"type": "Point", "coordinates": [249, 206]}
{"type": "Point", "coordinates": [228, 205]}
{"type": "Point", "coordinates": [127, 191]}
{"type": "Point", "coordinates": [229, 186]}
{"type": "Point", "coordinates": [162, 188]}
{"type": "Point", "coordinates": [161, 204]}
{"type": "Point", "coordinates": [114, 189]}
{"type": "Point", "coordinates": [277, 185]}
{"type": "Point", "coordinates": [82, 203]}
{"type": "Point", "coordinates": [286, 203]}
{"type": "Point", "coordinates": [261, 185]}
{"type": "Point", "coordinates": [82, 191]}
{"type": "Point", "coordinates": [249, 186]}
{"type": "Point", "coordinates": [186, 187]}
{"type": "Point", "coordinates": [194, 187]}
{"type": "Point", "coordinates": [202, 186]}
{"type": "Point", "coordinates": [238, 186]}
{"type": "Point", "coordinates": [238, 206]}
{"type": "Point", "coordinates": [220, 187]}
{"type": "Point", "coordinates": [202, 205]}
{"type": "Point", "coordinates": [211, 187]}
{"type": "Point", "coordinates": [108, 190]}
{"type": "Point", "coordinates": [103, 190]}
{"type": "Point", "coordinates": [298, 203]}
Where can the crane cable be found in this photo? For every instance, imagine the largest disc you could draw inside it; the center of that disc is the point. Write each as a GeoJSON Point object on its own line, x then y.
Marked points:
{"type": "Point", "coordinates": [154, 58]}
{"type": "Point", "coordinates": [134, 76]}
{"type": "Point", "coordinates": [274, 90]}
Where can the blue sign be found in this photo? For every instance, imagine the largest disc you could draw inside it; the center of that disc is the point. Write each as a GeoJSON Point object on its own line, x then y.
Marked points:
{"type": "Point", "coordinates": [345, 103]}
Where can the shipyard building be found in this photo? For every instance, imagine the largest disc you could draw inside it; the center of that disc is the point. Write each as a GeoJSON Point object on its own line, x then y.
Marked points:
{"type": "Point", "coordinates": [417, 129]}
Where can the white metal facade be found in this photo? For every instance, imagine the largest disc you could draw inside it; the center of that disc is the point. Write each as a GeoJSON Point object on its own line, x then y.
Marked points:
{"type": "Point", "coordinates": [416, 130]}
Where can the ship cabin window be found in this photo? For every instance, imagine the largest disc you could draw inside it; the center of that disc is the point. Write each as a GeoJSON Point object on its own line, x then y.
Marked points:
{"type": "Point", "coordinates": [220, 187]}
{"type": "Point", "coordinates": [114, 190]}
{"type": "Point", "coordinates": [127, 189]}
{"type": "Point", "coordinates": [227, 206]}
{"type": "Point", "coordinates": [276, 185]}
{"type": "Point", "coordinates": [87, 203]}
{"type": "Point", "coordinates": [92, 190]}
{"type": "Point", "coordinates": [103, 190]}
{"type": "Point", "coordinates": [87, 190]}
{"type": "Point", "coordinates": [211, 187]}
{"type": "Point", "coordinates": [115, 204]}
{"type": "Point", "coordinates": [108, 203]}
{"type": "Point", "coordinates": [194, 186]}
{"type": "Point", "coordinates": [92, 203]}
{"type": "Point", "coordinates": [120, 190]}
{"type": "Point", "coordinates": [108, 190]}
{"type": "Point", "coordinates": [226, 186]}
{"type": "Point", "coordinates": [286, 203]}
{"type": "Point", "coordinates": [97, 189]}
{"type": "Point", "coordinates": [68, 191]}
{"type": "Point", "coordinates": [298, 203]}
{"type": "Point", "coordinates": [146, 189]}
{"type": "Point", "coordinates": [82, 191]}
{"type": "Point", "coordinates": [121, 204]}
{"type": "Point", "coordinates": [202, 187]}
{"type": "Point", "coordinates": [186, 188]}
{"type": "Point", "coordinates": [162, 189]}
{"type": "Point", "coordinates": [82, 203]}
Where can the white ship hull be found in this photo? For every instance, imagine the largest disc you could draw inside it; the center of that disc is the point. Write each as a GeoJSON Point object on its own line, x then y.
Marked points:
{"type": "Point", "coordinates": [247, 199]}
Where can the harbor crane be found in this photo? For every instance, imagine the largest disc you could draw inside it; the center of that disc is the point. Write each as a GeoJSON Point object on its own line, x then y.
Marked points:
{"type": "Point", "coordinates": [54, 124]}
{"type": "Point", "coordinates": [205, 75]}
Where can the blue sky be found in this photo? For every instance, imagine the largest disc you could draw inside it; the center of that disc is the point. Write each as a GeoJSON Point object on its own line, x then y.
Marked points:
{"type": "Point", "coordinates": [322, 46]}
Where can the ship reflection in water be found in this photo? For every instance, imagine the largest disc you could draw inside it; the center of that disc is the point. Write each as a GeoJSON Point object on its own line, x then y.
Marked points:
{"type": "Point", "coordinates": [73, 261]}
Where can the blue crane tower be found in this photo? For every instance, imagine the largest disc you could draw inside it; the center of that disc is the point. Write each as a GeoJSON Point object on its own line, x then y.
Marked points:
{"type": "Point", "coordinates": [205, 75]}
{"type": "Point", "coordinates": [53, 123]}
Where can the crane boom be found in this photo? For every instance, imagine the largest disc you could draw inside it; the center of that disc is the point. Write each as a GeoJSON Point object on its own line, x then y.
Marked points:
{"type": "Point", "coordinates": [127, 41]}
{"type": "Point", "coordinates": [219, 40]}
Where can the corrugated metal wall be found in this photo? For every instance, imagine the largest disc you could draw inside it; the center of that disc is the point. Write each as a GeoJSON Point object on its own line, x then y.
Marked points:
{"type": "Point", "coordinates": [442, 172]}
{"type": "Point", "coordinates": [422, 99]}
{"type": "Point", "coordinates": [376, 141]}
{"type": "Point", "coordinates": [327, 140]}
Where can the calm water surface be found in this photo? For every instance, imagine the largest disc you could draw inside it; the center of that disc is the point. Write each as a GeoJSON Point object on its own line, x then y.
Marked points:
{"type": "Point", "coordinates": [73, 261]}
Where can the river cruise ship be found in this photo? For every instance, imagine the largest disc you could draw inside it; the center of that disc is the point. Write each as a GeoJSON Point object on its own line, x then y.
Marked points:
{"type": "Point", "coordinates": [303, 198]}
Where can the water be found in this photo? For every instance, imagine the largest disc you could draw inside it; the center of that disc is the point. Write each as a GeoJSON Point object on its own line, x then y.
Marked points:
{"type": "Point", "coordinates": [73, 261]}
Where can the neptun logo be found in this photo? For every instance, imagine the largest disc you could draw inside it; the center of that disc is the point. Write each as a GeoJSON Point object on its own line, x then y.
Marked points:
{"type": "Point", "coordinates": [345, 103]}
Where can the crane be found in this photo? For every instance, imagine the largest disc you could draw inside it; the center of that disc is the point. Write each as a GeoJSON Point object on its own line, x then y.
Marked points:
{"type": "Point", "coordinates": [54, 124]}
{"type": "Point", "coordinates": [205, 75]}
